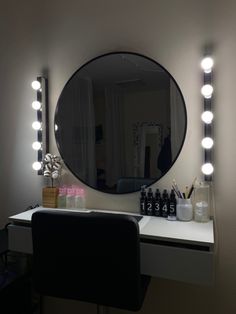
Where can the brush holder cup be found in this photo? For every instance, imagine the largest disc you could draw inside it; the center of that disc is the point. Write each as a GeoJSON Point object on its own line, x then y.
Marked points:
{"type": "Point", "coordinates": [184, 209]}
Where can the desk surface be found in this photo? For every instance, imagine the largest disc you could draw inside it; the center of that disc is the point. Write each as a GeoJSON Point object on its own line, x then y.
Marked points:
{"type": "Point", "coordinates": [154, 228]}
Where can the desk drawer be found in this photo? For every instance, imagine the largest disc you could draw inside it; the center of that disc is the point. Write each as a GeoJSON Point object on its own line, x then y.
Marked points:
{"type": "Point", "coordinates": [193, 266]}
{"type": "Point", "coordinates": [175, 263]}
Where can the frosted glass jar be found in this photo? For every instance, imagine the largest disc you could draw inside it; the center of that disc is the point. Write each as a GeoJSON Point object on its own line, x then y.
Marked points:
{"type": "Point", "coordinates": [184, 209]}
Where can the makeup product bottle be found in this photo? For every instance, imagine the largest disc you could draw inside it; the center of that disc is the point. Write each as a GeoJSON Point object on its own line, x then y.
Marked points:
{"type": "Point", "coordinates": [149, 204]}
{"type": "Point", "coordinates": [61, 198]}
{"type": "Point", "coordinates": [70, 198]}
{"type": "Point", "coordinates": [164, 204]}
{"type": "Point", "coordinates": [143, 201]}
{"type": "Point", "coordinates": [172, 206]}
{"type": "Point", "coordinates": [157, 203]}
{"type": "Point", "coordinates": [79, 198]}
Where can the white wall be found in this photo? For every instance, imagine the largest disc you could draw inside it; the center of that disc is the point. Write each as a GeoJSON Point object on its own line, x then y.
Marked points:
{"type": "Point", "coordinates": [130, 26]}
{"type": "Point", "coordinates": [59, 36]}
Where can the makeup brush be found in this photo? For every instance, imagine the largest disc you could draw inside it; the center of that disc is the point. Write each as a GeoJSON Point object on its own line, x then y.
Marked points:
{"type": "Point", "coordinates": [192, 187]}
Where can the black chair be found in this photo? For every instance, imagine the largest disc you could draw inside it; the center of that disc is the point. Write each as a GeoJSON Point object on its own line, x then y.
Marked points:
{"type": "Point", "coordinates": [91, 257]}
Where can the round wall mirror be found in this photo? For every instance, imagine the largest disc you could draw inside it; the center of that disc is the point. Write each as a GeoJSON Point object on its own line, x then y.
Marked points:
{"type": "Point", "coordinates": [120, 122]}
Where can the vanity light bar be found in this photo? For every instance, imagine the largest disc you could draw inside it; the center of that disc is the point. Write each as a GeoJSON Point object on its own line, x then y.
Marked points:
{"type": "Point", "coordinates": [207, 117]}
{"type": "Point", "coordinates": [41, 124]}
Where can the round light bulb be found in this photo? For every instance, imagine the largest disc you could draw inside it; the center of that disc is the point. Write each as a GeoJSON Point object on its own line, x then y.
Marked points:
{"type": "Point", "coordinates": [36, 125]}
{"type": "Point", "coordinates": [36, 165]}
{"type": "Point", "coordinates": [36, 145]}
{"type": "Point", "coordinates": [207, 90]}
{"type": "Point", "coordinates": [207, 64]}
{"type": "Point", "coordinates": [207, 117]}
{"type": "Point", "coordinates": [36, 85]}
{"type": "Point", "coordinates": [207, 169]}
{"type": "Point", "coordinates": [36, 105]}
{"type": "Point", "coordinates": [207, 142]}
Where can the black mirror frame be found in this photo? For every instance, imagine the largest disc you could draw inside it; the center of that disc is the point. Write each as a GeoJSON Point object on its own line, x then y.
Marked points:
{"type": "Point", "coordinates": [185, 114]}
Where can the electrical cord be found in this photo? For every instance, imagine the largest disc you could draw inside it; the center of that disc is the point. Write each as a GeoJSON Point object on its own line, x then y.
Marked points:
{"type": "Point", "coordinates": [31, 207]}
{"type": "Point", "coordinates": [215, 227]}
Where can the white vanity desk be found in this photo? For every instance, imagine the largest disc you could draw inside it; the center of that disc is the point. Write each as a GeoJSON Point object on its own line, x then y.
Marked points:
{"type": "Point", "coordinates": [174, 250]}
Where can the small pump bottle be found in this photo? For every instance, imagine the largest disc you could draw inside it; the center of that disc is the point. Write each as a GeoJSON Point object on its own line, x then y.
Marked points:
{"type": "Point", "coordinates": [61, 199]}
{"type": "Point", "coordinates": [157, 203]}
{"type": "Point", "coordinates": [149, 203]}
{"type": "Point", "coordinates": [164, 205]}
{"type": "Point", "coordinates": [143, 201]}
{"type": "Point", "coordinates": [70, 198]}
{"type": "Point", "coordinates": [172, 206]}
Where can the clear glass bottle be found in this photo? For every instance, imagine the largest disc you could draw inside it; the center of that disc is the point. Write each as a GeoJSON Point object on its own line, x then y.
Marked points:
{"type": "Point", "coordinates": [70, 198]}
{"type": "Point", "coordinates": [61, 199]}
{"type": "Point", "coordinates": [79, 198]}
{"type": "Point", "coordinates": [202, 202]}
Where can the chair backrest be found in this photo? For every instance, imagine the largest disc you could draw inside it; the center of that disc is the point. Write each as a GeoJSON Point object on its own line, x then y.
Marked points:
{"type": "Point", "coordinates": [130, 184]}
{"type": "Point", "coordinates": [92, 257]}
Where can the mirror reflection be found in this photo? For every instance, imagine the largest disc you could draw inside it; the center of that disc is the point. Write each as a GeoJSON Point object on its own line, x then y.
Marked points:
{"type": "Point", "coordinates": [120, 122]}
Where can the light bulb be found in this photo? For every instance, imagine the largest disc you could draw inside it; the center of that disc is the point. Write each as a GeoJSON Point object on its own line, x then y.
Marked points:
{"type": "Point", "coordinates": [207, 169]}
{"type": "Point", "coordinates": [207, 90]}
{"type": "Point", "coordinates": [207, 142]}
{"type": "Point", "coordinates": [56, 127]}
{"type": "Point", "coordinates": [36, 85]}
{"type": "Point", "coordinates": [36, 125]}
{"type": "Point", "coordinates": [36, 165]}
{"type": "Point", "coordinates": [207, 64]}
{"type": "Point", "coordinates": [36, 145]}
{"type": "Point", "coordinates": [36, 105]}
{"type": "Point", "coordinates": [207, 117]}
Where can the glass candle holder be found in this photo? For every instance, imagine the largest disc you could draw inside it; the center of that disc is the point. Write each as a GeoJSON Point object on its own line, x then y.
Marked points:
{"type": "Point", "coordinates": [202, 202]}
